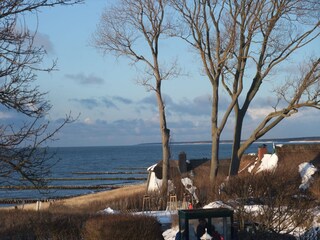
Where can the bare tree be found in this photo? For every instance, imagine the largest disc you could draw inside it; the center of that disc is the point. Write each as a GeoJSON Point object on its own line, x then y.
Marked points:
{"type": "Point", "coordinates": [23, 155]}
{"type": "Point", "coordinates": [133, 28]}
{"type": "Point", "coordinates": [270, 33]}
{"type": "Point", "coordinates": [243, 43]}
{"type": "Point", "coordinates": [201, 21]}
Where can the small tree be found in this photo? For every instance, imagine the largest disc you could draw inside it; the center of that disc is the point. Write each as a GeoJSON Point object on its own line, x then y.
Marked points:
{"type": "Point", "coordinates": [122, 28]}
{"type": "Point", "coordinates": [22, 152]}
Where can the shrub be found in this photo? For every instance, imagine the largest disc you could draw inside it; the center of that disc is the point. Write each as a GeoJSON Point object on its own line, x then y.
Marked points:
{"type": "Point", "coordinates": [315, 186]}
{"type": "Point", "coordinates": [282, 207]}
{"type": "Point", "coordinates": [40, 225]}
{"type": "Point", "coordinates": [32, 225]}
{"type": "Point", "coordinates": [122, 226]}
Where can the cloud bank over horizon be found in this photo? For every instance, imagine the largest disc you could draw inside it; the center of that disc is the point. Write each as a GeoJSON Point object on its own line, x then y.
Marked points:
{"type": "Point", "coordinates": [188, 120]}
{"type": "Point", "coordinates": [184, 123]}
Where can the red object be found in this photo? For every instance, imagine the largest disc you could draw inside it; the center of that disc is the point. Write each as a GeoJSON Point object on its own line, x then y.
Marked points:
{"type": "Point", "coordinates": [190, 206]}
{"type": "Point", "coordinates": [262, 151]}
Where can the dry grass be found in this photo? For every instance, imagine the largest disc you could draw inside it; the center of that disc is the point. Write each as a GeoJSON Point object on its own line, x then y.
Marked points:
{"type": "Point", "coordinates": [122, 226]}
{"type": "Point", "coordinates": [103, 196]}
{"type": "Point", "coordinates": [91, 202]}
{"type": "Point", "coordinates": [315, 187]}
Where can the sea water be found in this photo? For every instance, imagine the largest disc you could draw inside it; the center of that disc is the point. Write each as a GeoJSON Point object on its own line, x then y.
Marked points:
{"type": "Point", "coordinates": [99, 168]}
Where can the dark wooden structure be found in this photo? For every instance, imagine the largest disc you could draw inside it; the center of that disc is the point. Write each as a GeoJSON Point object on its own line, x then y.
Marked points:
{"type": "Point", "coordinates": [220, 219]}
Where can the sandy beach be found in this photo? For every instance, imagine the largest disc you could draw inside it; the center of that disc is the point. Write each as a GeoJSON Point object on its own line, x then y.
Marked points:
{"type": "Point", "coordinates": [88, 198]}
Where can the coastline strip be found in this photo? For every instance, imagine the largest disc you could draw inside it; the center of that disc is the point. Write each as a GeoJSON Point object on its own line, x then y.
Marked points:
{"type": "Point", "coordinates": [62, 187]}
{"type": "Point", "coordinates": [102, 173]}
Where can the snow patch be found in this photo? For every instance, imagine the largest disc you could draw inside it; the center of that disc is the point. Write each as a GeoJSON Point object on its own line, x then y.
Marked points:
{"type": "Point", "coordinates": [108, 210]}
{"type": "Point", "coordinates": [217, 204]}
{"type": "Point", "coordinates": [170, 234]}
{"type": "Point", "coordinates": [252, 167]}
{"type": "Point", "coordinates": [306, 171]}
{"type": "Point", "coordinates": [164, 217]}
{"type": "Point", "coordinates": [151, 168]}
{"type": "Point", "coordinates": [154, 183]}
{"type": "Point", "coordinates": [188, 184]}
{"type": "Point", "coordinates": [268, 162]}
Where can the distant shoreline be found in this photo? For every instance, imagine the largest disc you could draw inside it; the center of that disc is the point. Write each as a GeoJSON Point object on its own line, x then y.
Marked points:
{"type": "Point", "coordinates": [268, 140]}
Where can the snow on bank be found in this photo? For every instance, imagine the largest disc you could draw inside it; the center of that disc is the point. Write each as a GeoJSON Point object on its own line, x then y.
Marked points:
{"type": "Point", "coordinates": [108, 210]}
{"type": "Point", "coordinates": [217, 204]}
{"type": "Point", "coordinates": [306, 171]}
{"type": "Point", "coordinates": [268, 162]}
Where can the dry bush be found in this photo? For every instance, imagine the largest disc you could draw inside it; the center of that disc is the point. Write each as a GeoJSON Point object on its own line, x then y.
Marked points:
{"type": "Point", "coordinates": [315, 187]}
{"type": "Point", "coordinates": [179, 189]}
{"type": "Point", "coordinates": [26, 225]}
{"type": "Point", "coordinates": [264, 235]}
{"type": "Point", "coordinates": [124, 204]}
{"type": "Point", "coordinates": [282, 207]}
{"type": "Point", "coordinates": [205, 191]}
{"type": "Point", "coordinates": [201, 181]}
{"type": "Point", "coordinates": [157, 202]}
{"type": "Point", "coordinates": [122, 226]}
{"type": "Point", "coordinates": [174, 220]}
{"type": "Point", "coordinates": [199, 176]}
{"type": "Point", "coordinates": [18, 224]}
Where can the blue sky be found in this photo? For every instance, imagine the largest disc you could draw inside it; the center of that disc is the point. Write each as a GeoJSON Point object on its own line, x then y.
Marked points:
{"type": "Point", "coordinates": [113, 108]}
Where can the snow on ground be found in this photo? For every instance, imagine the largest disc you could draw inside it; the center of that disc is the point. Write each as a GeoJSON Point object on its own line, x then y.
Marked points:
{"type": "Point", "coordinates": [165, 218]}
{"type": "Point", "coordinates": [268, 162]}
{"type": "Point", "coordinates": [171, 233]}
{"type": "Point", "coordinates": [306, 171]}
{"type": "Point", "coordinates": [217, 204]}
{"type": "Point", "coordinates": [108, 210]}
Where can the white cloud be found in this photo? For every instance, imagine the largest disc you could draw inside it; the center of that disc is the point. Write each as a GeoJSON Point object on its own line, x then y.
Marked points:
{"type": "Point", "coordinates": [88, 121]}
{"type": "Point", "coordinates": [85, 79]}
{"type": "Point", "coordinates": [258, 113]}
{"type": "Point", "coordinates": [4, 115]}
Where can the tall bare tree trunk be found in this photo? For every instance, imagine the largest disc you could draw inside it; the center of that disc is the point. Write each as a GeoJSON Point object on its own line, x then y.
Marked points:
{"type": "Point", "coordinates": [214, 156]}
{"type": "Point", "coordinates": [165, 133]}
{"type": "Point", "coordinates": [215, 132]}
{"type": "Point", "coordinates": [166, 158]}
{"type": "Point", "coordinates": [235, 158]}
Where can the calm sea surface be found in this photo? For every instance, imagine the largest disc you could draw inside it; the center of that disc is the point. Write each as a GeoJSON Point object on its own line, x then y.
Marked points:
{"type": "Point", "coordinates": [98, 168]}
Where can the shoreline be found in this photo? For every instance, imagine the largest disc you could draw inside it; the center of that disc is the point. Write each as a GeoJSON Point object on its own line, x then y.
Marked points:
{"type": "Point", "coordinates": [81, 200]}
